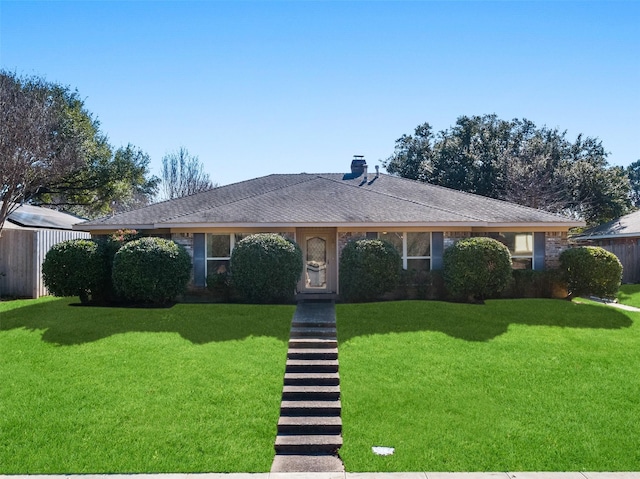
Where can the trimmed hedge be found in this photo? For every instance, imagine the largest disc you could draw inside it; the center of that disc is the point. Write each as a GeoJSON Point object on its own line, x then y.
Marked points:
{"type": "Point", "coordinates": [73, 268]}
{"type": "Point", "coordinates": [528, 283]}
{"type": "Point", "coordinates": [151, 270]}
{"type": "Point", "coordinates": [368, 269]}
{"type": "Point", "coordinates": [591, 270]}
{"type": "Point", "coordinates": [477, 268]}
{"type": "Point", "coordinates": [265, 268]}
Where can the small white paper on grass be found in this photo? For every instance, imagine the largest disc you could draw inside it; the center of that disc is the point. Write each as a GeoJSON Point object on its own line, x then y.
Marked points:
{"type": "Point", "coordinates": [382, 451]}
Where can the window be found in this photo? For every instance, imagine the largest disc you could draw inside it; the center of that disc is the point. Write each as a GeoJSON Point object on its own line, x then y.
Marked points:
{"type": "Point", "coordinates": [219, 248]}
{"type": "Point", "coordinates": [520, 246]}
{"type": "Point", "coordinates": [219, 253]}
{"type": "Point", "coordinates": [414, 247]}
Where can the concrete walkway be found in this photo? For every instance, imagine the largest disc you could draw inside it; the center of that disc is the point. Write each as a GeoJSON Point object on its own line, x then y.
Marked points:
{"type": "Point", "coordinates": [310, 426]}
{"type": "Point", "coordinates": [350, 475]}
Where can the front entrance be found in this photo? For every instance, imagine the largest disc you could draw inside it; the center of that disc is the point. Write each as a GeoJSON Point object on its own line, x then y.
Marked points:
{"type": "Point", "coordinates": [319, 253]}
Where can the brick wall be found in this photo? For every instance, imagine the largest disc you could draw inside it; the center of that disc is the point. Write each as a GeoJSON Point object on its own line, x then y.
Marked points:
{"type": "Point", "coordinates": [555, 243]}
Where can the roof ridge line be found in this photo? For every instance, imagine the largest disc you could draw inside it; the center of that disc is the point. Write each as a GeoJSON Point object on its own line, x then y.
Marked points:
{"type": "Point", "coordinates": [247, 196]}
{"type": "Point", "coordinates": [405, 199]}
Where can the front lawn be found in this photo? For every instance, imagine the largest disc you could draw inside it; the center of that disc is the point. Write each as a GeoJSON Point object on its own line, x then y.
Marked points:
{"type": "Point", "coordinates": [96, 390]}
{"type": "Point", "coordinates": [514, 385]}
{"type": "Point", "coordinates": [629, 294]}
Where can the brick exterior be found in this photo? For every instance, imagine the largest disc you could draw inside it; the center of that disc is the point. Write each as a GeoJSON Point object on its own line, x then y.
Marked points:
{"type": "Point", "coordinates": [555, 243]}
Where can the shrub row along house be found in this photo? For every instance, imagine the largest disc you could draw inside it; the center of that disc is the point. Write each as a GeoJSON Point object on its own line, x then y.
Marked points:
{"type": "Point", "coordinates": [322, 212]}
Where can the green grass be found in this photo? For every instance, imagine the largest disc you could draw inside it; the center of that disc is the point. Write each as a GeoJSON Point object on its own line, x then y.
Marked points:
{"type": "Point", "coordinates": [629, 294]}
{"type": "Point", "coordinates": [184, 389]}
{"type": "Point", "coordinates": [509, 385]}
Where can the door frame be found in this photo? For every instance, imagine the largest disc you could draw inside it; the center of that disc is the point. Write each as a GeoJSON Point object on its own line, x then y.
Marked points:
{"type": "Point", "coordinates": [330, 236]}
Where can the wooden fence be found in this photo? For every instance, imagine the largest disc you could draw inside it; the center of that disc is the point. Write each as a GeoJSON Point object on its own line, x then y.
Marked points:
{"type": "Point", "coordinates": [22, 252]}
{"type": "Point", "coordinates": [627, 251]}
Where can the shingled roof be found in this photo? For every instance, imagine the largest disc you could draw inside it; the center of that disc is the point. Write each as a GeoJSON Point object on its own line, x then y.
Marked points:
{"type": "Point", "coordinates": [624, 227]}
{"type": "Point", "coordinates": [329, 199]}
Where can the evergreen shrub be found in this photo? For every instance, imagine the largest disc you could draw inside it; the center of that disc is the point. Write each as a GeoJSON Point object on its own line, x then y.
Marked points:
{"type": "Point", "coordinates": [476, 268]}
{"type": "Point", "coordinates": [529, 283]}
{"type": "Point", "coordinates": [591, 270]}
{"type": "Point", "coordinates": [368, 269]}
{"type": "Point", "coordinates": [151, 270]}
{"type": "Point", "coordinates": [265, 268]}
{"type": "Point", "coordinates": [73, 268]}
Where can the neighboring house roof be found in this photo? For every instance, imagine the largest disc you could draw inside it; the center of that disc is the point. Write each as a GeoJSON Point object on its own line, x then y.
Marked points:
{"type": "Point", "coordinates": [329, 199]}
{"type": "Point", "coordinates": [36, 217]}
{"type": "Point", "coordinates": [623, 227]}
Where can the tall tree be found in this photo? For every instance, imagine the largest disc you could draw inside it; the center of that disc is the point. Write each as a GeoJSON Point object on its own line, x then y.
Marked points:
{"type": "Point", "coordinates": [516, 161]}
{"type": "Point", "coordinates": [52, 152]}
{"type": "Point", "coordinates": [112, 184]}
{"type": "Point", "coordinates": [183, 175]}
{"type": "Point", "coordinates": [43, 138]}
{"type": "Point", "coordinates": [633, 173]}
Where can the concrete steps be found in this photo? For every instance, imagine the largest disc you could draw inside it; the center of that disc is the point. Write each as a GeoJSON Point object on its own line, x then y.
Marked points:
{"type": "Point", "coordinates": [308, 444]}
{"type": "Point", "coordinates": [310, 426]}
{"type": "Point", "coordinates": [311, 379]}
{"type": "Point", "coordinates": [311, 366]}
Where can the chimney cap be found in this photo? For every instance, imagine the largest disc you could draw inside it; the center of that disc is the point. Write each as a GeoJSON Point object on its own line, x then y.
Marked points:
{"type": "Point", "coordinates": [358, 165]}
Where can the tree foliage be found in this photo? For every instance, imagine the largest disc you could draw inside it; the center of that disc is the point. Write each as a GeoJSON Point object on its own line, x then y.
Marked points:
{"type": "Point", "coordinates": [519, 162]}
{"type": "Point", "coordinates": [53, 152]}
{"type": "Point", "coordinates": [41, 141]}
{"type": "Point", "coordinates": [183, 175]}
{"type": "Point", "coordinates": [108, 185]}
{"type": "Point", "coordinates": [633, 172]}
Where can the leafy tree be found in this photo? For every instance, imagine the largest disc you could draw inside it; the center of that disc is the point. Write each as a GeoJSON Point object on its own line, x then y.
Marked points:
{"type": "Point", "coordinates": [45, 136]}
{"type": "Point", "coordinates": [110, 184]}
{"type": "Point", "coordinates": [633, 173]}
{"type": "Point", "coordinates": [183, 175]}
{"type": "Point", "coordinates": [516, 161]}
{"type": "Point", "coordinates": [53, 152]}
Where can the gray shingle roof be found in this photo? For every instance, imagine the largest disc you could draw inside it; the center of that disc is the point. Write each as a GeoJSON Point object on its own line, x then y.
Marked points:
{"type": "Point", "coordinates": [28, 216]}
{"type": "Point", "coordinates": [329, 199]}
{"type": "Point", "coordinates": [625, 226]}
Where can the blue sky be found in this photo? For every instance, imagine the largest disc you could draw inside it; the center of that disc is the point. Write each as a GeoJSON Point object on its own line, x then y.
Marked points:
{"type": "Point", "coordinates": [254, 88]}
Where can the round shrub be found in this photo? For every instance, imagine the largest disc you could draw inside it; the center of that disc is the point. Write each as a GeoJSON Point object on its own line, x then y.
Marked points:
{"type": "Point", "coordinates": [151, 270]}
{"type": "Point", "coordinates": [108, 246]}
{"type": "Point", "coordinates": [476, 268]}
{"type": "Point", "coordinates": [265, 268]}
{"type": "Point", "coordinates": [591, 270]}
{"type": "Point", "coordinates": [73, 268]}
{"type": "Point", "coordinates": [368, 268]}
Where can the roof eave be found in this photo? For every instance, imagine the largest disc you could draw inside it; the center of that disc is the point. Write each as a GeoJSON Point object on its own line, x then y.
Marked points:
{"type": "Point", "coordinates": [109, 227]}
{"type": "Point", "coordinates": [442, 224]}
{"type": "Point", "coordinates": [606, 236]}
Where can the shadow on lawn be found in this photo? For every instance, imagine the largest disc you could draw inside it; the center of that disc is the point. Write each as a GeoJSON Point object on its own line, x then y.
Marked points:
{"type": "Point", "coordinates": [472, 322]}
{"type": "Point", "coordinates": [65, 325]}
